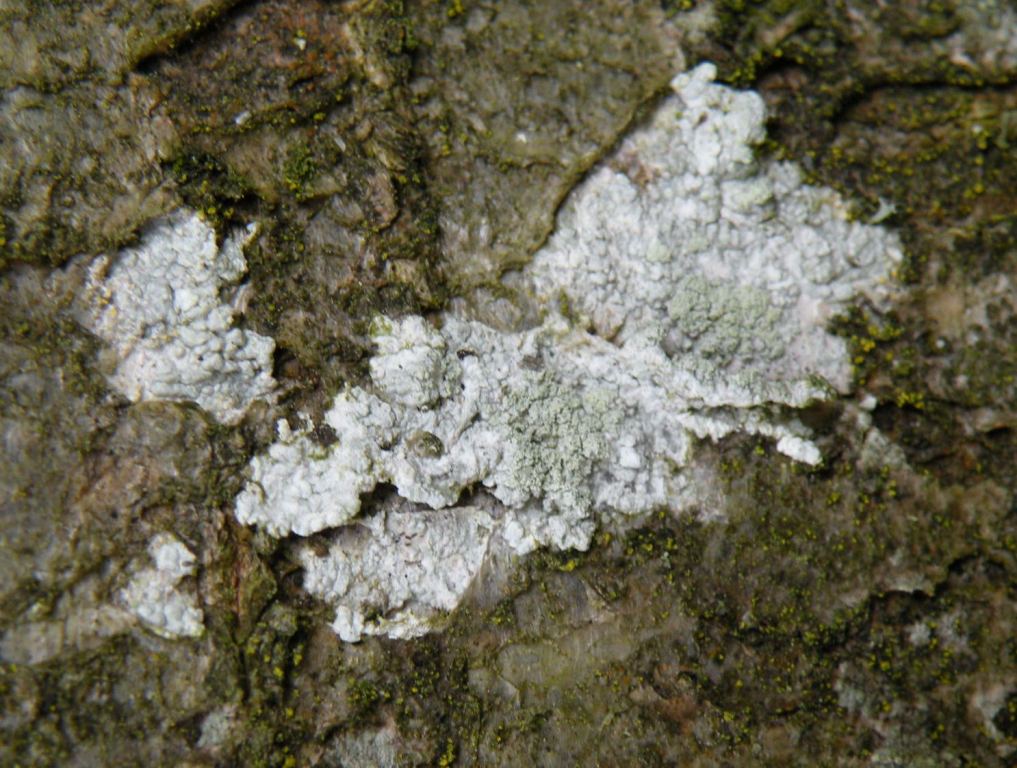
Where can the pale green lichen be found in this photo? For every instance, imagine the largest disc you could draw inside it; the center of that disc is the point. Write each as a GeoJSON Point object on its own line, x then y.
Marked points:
{"type": "Point", "coordinates": [710, 318]}
{"type": "Point", "coordinates": [559, 436]}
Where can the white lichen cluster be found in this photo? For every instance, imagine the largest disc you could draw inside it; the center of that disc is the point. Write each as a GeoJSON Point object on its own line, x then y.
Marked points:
{"type": "Point", "coordinates": [153, 594]}
{"type": "Point", "coordinates": [164, 310]}
{"type": "Point", "coordinates": [705, 281]}
{"type": "Point", "coordinates": [681, 237]}
{"type": "Point", "coordinates": [551, 419]}
{"type": "Point", "coordinates": [398, 567]}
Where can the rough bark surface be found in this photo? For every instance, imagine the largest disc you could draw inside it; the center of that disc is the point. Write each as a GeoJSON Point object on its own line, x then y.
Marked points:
{"type": "Point", "coordinates": [400, 156]}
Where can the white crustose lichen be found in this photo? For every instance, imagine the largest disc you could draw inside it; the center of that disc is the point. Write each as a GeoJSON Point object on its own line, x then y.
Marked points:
{"type": "Point", "coordinates": [154, 595]}
{"type": "Point", "coordinates": [160, 307]}
{"type": "Point", "coordinates": [683, 295]}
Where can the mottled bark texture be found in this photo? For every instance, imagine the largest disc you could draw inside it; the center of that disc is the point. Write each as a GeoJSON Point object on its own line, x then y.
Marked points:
{"type": "Point", "coordinates": [402, 155]}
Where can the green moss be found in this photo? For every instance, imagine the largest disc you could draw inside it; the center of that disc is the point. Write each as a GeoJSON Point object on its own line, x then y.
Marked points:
{"type": "Point", "coordinates": [210, 187]}
{"type": "Point", "coordinates": [676, 6]}
{"type": "Point", "coordinates": [448, 754]}
{"type": "Point", "coordinates": [750, 28]}
{"type": "Point", "coordinates": [873, 342]}
{"type": "Point", "coordinates": [365, 697]}
{"type": "Point", "coordinates": [503, 614]}
{"type": "Point", "coordinates": [455, 8]}
{"type": "Point", "coordinates": [299, 170]}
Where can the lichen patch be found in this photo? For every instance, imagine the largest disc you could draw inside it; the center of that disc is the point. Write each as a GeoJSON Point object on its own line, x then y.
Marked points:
{"type": "Point", "coordinates": [682, 297]}
{"type": "Point", "coordinates": [161, 309]}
